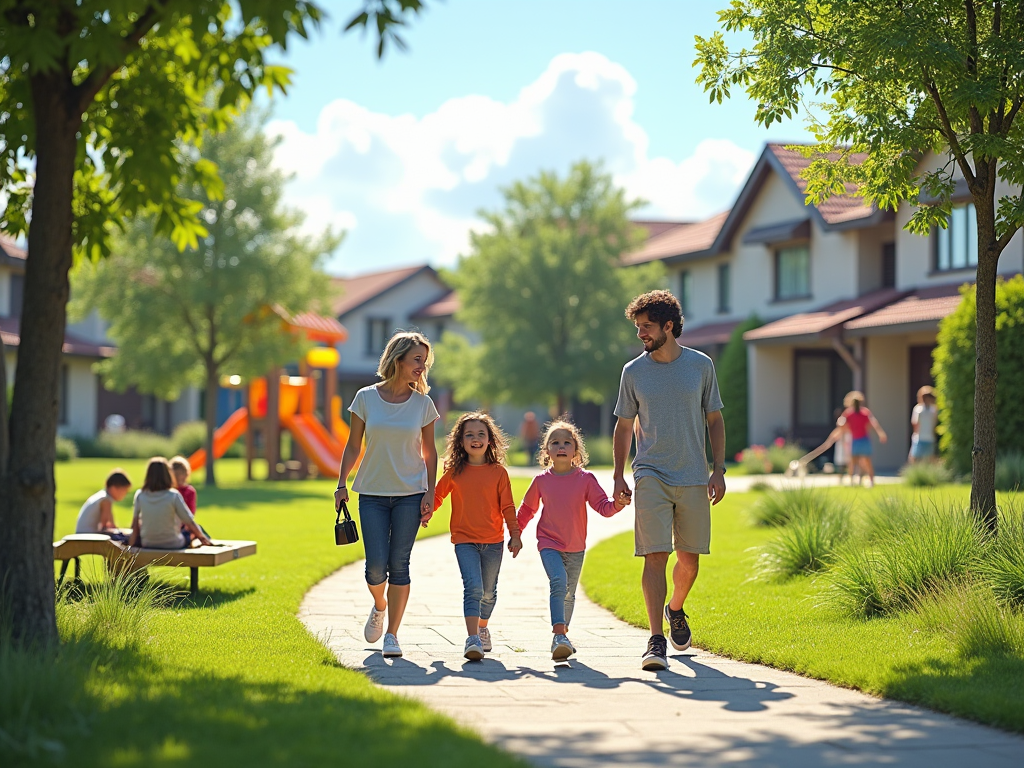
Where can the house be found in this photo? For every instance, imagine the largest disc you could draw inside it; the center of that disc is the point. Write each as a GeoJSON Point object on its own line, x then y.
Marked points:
{"type": "Point", "coordinates": [850, 299]}
{"type": "Point", "coordinates": [84, 402]}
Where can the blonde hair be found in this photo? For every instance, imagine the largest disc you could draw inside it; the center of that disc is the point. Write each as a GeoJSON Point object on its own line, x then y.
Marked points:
{"type": "Point", "coordinates": [854, 399]}
{"type": "Point", "coordinates": [181, 463]}
{"type": "Point", "coordinates": [455, 456]}
{"type": "Point", "coordinates": [579, 459]}
{"type": "Point", "coordinates": [397, 347]}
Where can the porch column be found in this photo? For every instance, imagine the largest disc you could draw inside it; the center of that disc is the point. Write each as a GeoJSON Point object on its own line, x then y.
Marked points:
{"type": "Point", "coordinates": [853, 360]}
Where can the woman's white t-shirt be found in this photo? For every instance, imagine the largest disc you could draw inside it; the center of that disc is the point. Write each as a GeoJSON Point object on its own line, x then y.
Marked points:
{"type": "Point", "coordinates": [89, 515]}
{"type": "Point", "coordinates": [926, 418]}
{"type": "Point", "coordinates": [392, 464]}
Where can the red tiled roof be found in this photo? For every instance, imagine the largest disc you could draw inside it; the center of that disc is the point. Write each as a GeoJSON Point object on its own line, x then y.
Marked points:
{"type": "Point", "coordinates": [11, 334]}
{"type": "Point", "coordinates": [679, 240]}
{"type": "Point", "coordinates": [708, 334]}
{"type": "Point", "coordinates": [838, 208]}
{"type": "Point", "coordinates": [317, 327]}
{"type": "Point", "coordinates": [356, 291]}
{"type": "Point", "coordinates": [8, 247]}
{"type": "Point", "coordinates": [828, 318]}
{"type": "Point", "coordinates": [446, 306]}
{"type": "Point", "coordinates": [923, 305]}
{"type": "Point", "coordinates": [655, 228]}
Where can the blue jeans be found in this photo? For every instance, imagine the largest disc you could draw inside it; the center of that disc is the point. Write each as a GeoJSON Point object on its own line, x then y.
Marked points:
{"type": "Point", "coordinates": [563, 570]}
{"type": "Point", "coordinates": [479, 564]}
{"type": "Point", "coordinates": [390, 524]}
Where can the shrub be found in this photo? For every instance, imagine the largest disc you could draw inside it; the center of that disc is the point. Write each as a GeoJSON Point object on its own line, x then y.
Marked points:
{"type": "Point", "coordinates": [974, 621]}
{"type": "Point", "coordinates": [732, 377]}
{"type": "Point", "coordinates": [1003, 564]}
{"type": "Point", "coordinates": [778, 508]}
{"type": "Point", "coordinates": [131, 444]}
{"type": "Point", "coordinates": [925, 474]}
{"type": "Point", "coordinates": [954, 374]}
{"type": "Point", "coordinates": [807, 545]}
{"type": "Point", "coordinates": [600, 450]}
{"type": "Point", "coordinates": [67, 449]}
{"type": "Point", "coordinates": [759, 459]}
{"type": "Point", "coordinates": [1010, 471]}
{"type": "Point", "coordinates": [924, 550]}
{"type": "Point", "coordinates": [754, 460]}
{"type": "Point", "coordinates": [781, 454]}
{"type": "Point", "coordinates": [760, 486]}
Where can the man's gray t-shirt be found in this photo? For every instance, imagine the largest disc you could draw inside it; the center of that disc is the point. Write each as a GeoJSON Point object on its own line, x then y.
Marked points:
{"type": "Point", "coordinates": [671, 400]}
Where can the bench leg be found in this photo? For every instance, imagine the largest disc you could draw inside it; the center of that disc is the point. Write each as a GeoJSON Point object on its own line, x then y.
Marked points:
{"type": "Point", "coordinates": [63, 570]}
{"type": "Point", "coordinates": [194, 581]}
{"type": "Point", "coordinates": [78, 570]}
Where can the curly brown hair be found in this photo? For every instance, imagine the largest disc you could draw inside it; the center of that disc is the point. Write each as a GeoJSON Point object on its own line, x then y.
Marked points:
{"type": "Point", "coordinates": [579, 459]}
{"type": "Point", "coordinates": [660, 307]}
{"type": "Point", "coordinates": [455, 456]}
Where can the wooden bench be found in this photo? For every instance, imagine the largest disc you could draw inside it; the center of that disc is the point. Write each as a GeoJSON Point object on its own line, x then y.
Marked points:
{"type": "Point", "coordinates": [219, 552]}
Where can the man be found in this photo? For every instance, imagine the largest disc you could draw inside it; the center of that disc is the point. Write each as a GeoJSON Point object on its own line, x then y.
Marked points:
{"type": "Point", "coordinates": [669, 393]}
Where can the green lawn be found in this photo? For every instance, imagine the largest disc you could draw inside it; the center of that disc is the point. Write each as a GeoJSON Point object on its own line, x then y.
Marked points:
{"type": "Point", "coordinates": [785, 625]}
{"type": "Point", "coordinates": [233, 678]}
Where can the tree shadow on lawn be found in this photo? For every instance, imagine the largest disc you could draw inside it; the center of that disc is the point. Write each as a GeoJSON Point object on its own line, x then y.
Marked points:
{"type": "Point", "coordinates": [242, 497]}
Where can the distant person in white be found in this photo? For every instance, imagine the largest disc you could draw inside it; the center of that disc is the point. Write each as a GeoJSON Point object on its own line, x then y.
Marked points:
{"type": "Point", "coordinates": [669, 394]}
{"type": "Point", "coordinates": [97, 514]}
{"type": "Point", "coordinates": [923, 420]}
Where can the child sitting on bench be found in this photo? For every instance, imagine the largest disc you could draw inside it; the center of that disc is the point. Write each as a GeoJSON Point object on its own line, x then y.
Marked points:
{"type": "Point", "coordinates": [161, 520]}
{"type": "Point", "coordinates": [97, 514]}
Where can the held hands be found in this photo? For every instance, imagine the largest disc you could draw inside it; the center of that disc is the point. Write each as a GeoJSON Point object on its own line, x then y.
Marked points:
{"type": "Point", "coordinates": [716, 486]}
{"type": "Point", "coordinates": [515, 544]}
{"type": "Point", "coordinates": [621, 492]}
{"type": "Point", "coordinates": [427, 508]}
{"type": "Point", "coordinates": [621, 502]}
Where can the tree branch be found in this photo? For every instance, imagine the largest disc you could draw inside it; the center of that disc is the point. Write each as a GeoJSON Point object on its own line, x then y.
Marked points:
{"type": "Point", "coordinates": [1004, 241]}
{"type": "Point", "coordinates": [947, 129]}
{"type": "Point", "coordinates": [84, 93]}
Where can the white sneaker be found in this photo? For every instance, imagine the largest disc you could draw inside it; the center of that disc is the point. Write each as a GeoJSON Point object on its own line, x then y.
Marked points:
{"type": "Point", "coordinates": [391, 650]}
{"type": "Point", "coordinates": [374, 625]}
{"type": "Point", "coordinates": [561, 648]}
{"type": "Point", "coordinates": [485, 639]}
{"type": "Point", "coordinates": [474, 649]}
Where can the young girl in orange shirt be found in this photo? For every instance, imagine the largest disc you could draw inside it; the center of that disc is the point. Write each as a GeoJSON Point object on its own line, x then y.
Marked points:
{"type": "Point", "coordinates": [475, 476]}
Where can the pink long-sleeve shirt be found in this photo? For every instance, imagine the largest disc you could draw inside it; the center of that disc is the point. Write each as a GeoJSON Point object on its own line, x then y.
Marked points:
{"type": "Point", "coordinates": [562, 501]}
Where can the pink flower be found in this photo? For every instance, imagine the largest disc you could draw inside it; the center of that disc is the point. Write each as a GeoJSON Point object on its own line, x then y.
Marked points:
{"type": "Point", "coordinates": [780, 441]}
{"type": "Point", "coordinates": [739, 456]}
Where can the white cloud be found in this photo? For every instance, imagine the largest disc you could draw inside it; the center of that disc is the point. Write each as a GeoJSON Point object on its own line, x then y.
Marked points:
{"type": "Point", "coordinates": [408, 188]}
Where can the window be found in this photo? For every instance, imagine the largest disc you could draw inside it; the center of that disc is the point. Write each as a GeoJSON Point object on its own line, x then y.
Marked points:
{"type": "Point", "coordinates": [956, 246]}
{"type": "Point", "coordinates": [378, 331]}
{"type": "Point", "coordinates": [685, 291]}
{"type": "Point", "coordinates": [793, 272]}
{"type": "Point", "coordinates": [889, 265]}
{"type": "Point", "coordinates": [724, 287]}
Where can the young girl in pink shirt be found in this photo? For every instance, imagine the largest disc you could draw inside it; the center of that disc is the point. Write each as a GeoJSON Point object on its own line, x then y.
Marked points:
{"type": "Point", "coordinates": [562, 493]}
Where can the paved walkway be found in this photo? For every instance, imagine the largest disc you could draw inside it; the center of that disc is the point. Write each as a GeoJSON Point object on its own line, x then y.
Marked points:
{"type": "Point", "coordinates": [601, 708]}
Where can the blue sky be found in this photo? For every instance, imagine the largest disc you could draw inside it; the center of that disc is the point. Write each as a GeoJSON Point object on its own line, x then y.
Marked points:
{"type": "Point", "coordinates": [403, 152]}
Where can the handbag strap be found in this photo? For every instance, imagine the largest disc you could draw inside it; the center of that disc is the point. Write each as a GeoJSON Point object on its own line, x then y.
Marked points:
{"type": "Point", "coordinates": [344, 509]}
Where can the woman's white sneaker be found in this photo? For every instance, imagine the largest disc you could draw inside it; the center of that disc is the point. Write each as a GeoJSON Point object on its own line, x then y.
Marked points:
{"type": "Point", "coordinates": [561, 648]}
{"type": "Point", "coordinates": [391, 650]}
{"type": "Point", "coordinates": [485, 639]}
{"type": "Point", "coordinates": [474, 649]}
{"type": "Point", "coordinates": [374, 625]}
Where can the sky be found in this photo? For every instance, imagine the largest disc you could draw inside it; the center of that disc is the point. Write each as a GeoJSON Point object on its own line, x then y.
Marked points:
{"type": "Point", "coordinates": [402, 153]}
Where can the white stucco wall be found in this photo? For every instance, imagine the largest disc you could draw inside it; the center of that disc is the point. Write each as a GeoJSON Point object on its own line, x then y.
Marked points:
{"type": "Point", "coordinates": [5, 291]}
{"type": "Point", "coordinates": [81, 394]}
{"type": "Point", "coordinates": [770, 393]}
{"type": "Point", "coordinates": [887, 388]}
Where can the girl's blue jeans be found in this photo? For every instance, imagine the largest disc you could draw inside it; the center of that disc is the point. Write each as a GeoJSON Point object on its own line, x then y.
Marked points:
{"type": "Point", "coordinates": [479, 564]}
{"type": "Point", "coordinates": [390, 524]}
{"type": "Point", "coordinates": [563, 570]}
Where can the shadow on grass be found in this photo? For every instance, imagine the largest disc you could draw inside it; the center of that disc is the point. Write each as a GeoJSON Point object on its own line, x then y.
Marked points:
{"type": "Point", "coordinates": [242, 497]}
{"type": "Point", "coordinates": [210, 598]}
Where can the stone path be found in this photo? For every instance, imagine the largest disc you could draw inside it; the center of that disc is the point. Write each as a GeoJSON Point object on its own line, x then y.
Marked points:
{"type": "Point", "coordinates": [601, 708]}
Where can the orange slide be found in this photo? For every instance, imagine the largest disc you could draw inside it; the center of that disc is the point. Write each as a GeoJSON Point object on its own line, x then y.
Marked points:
{"type": "Point", "coordinates": [223, 438]}
{"type": "Point", "coordinates": [319, 445]}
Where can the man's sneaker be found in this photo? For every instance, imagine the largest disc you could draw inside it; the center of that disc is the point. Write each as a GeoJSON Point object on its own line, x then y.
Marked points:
{"type": "Point", "coordinates": [485, 639]}
{"type": "Point", "coordinates": [474, 648]}
{"type": "Point", "coordinates": [392, 650]}
{"type": "Point", "coordinates": [374, 625]}
{"type": "Point", "coordinates": [655, 658]}
{"type": "Point", "coordinates": [678, 629]}
{"type": "Point", "coordinates": [561, 648]}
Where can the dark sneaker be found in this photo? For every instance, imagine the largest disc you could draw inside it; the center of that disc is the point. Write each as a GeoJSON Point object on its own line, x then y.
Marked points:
{"type": "Point", "coordinates": [678, 629]}
{"type": "Point", "coordinates": [655, 658]}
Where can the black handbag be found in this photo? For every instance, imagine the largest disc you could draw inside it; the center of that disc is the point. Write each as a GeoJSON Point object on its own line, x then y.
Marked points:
{"type": "Point", "coordinates": [345, 532]}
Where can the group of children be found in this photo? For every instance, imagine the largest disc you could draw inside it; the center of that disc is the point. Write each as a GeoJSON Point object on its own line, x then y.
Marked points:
{"type": "Point", "coordinates": [163, 510]}
{"type": "Point", "coordinates": [482, 506]}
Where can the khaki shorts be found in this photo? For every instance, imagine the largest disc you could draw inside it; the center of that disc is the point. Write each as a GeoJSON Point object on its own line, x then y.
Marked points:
{"type": "Point", "coordinates": [671, 517]}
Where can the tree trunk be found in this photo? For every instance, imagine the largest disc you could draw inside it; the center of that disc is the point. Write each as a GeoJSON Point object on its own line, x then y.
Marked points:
{"type": "Point", "coordinates": [27, 488]}
{"type": "Point", "coordinates": [212, 390]}
{"type": "Point", "coordinates": [983, 459]}
{"type": "Point", "coordinates": [559, 404]}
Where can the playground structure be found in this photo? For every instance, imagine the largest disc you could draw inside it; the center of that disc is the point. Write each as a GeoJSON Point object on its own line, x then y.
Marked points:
{"type": "Point", "coordinates": [280, 403]}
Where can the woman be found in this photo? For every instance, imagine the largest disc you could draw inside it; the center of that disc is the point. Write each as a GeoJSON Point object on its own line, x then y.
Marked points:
{"type": "Point", "coordinates": [160, 518]}
{"type": "Point", "coordinates": [396, 479]}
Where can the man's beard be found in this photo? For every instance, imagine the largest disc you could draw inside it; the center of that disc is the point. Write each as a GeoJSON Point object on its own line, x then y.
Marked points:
{"type": "Point", "coordinates": [656, 343]}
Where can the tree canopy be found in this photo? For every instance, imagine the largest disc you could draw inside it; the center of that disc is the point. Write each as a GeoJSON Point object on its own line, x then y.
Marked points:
{"type": "Point", "coordinates": [544, 289]}
{"type": "Point", "coordinates": [914, 95]}
{"type": "Point", "coordinates": [185, 317]}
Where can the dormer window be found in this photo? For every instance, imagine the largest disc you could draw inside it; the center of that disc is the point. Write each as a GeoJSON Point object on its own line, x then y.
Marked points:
{"type": "Point", "coordinates": [793, 272]}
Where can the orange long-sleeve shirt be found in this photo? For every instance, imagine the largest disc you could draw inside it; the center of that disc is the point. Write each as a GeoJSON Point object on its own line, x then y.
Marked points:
{"type": "Point", "coordinates": [481, 502]}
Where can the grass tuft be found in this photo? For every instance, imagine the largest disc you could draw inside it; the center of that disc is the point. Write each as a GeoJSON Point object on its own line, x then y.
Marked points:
{"type": "Point", "coordinates": [976, 624]}
{"type": "Point", "coordinates": [778, 508]}
{"type": "Point", "coordinates": [1003, 564]}
{"type": "Point", "coordinates": [807, 545]}
{"type": "Point", "coordinates": [926, 474]}
{"type": "Point", "coordinates": [925, 548]}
